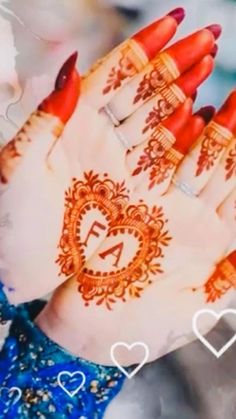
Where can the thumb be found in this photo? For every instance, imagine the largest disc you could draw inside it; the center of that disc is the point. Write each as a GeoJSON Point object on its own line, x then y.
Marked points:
{"type": "Point", "coordinates": [45, 125]}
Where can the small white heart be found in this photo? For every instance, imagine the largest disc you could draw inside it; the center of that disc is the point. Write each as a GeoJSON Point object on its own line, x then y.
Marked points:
{"type": "Point", "coordinates": [71, 374]}
{"type": "Point", "coordinates": [16, 393]}
{"type": "Point", "coordinates": [205, 342]}
{"type": "Point", "coordinates": [129, 347]}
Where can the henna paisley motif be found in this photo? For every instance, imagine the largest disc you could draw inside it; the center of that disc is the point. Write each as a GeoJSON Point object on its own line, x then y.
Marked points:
{"type": "Point", "coordinates": [230, 165]}
{"type": "Point", "coordinates": [103, 198]}
{"type": "Point", "coordinates": [146, 231]}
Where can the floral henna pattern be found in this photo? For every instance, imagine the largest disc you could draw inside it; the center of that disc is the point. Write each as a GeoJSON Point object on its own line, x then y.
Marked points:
{"type": "Point", "coordinates": [161, 110]}
{"type": "Point", "coordinates": [167, 101]}
{"type": "Point", "coordinates": [127, 277]}
{"type": "Point", "coordinates": [215, 139]}
{"type": "Point", "coordinates": [163, 73]}
{"type": "Point", "coordinates": [222, 280]}
{"type": "Point", "coordinates": [159, 143]}
{"type": "Point", "coordinates": [164, 167]}
{"type": "Point", "coordinates": [129, 64]}
{"type": "Point", "coordinates": [230, 165]}
{"type": "Point", "coordinates": [103, 198]}
{"type": "Point", "coordinates": [160, 172]}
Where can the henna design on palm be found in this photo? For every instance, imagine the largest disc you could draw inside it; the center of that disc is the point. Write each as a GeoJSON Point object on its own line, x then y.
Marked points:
{"type": "Point", "coordinates": [146, 227]}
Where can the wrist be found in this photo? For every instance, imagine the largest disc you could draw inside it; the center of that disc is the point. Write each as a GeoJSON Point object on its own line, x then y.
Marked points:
{"type": "Point", "coordinates": [57, 329]}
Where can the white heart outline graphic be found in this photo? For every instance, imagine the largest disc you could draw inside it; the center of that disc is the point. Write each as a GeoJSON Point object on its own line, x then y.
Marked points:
{"type": "Point", "coordinates": [71, 374]}
{"type": "Point", "coordinates": [204, 341]}
{"type": "Point", "coordinates": [14, 389]}
{"type": "Point", "coordinates": [129, 347]}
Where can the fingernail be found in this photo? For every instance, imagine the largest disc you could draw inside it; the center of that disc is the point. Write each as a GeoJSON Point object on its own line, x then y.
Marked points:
{"type": "Point", "coordinates": [206, 112]}
{"type": "Point", "coordinates": [66, 71]}
{"type": "Point", "coordinates": [194, 96]}
{"type": "Point", "coordinates": [178, 14]}
{"type": "Point", "coordinates": [215, 30]}
{"type": "Point", "coordinates": [214, 51]}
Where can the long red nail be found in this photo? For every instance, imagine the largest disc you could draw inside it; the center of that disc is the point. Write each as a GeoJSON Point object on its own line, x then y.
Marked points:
{"type": "Point", "coordinates": [62, 101]}
{"type": "Point", "coordinates": [155, 36]}
{"type": "Point", "coordinates": [215, 30]}
{"type": "Point", "coordinates": [178, 14]}
{"type": "Point", "coordinates": [214, 51]}
{"type": "Point", "coordinates": [65, 72]}
{"type": "Point", "coordinates": [206, 112]}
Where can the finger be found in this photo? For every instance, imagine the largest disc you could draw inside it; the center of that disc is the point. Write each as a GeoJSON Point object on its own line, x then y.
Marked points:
{"type": "Point", "coordinates": [227, 212]}
{"type": "Point", "coordinates": [144, 157]}
{"type": "Point", "coordinates": [222, 280]}
{"type": "Point", "coordinates": [224, 180]}
{"type": "Point", "coordinates": [45, 125]}
{"type": "Point", "coordinates": [164, 168]}
{"type": "Point", "coordinates": [163, 70]}
{"type": "Point", "coordinates": [106, 78]}
{"type": "Point", "coordinates": [201, 163]}
{"type": "Point", "coordinates": [140, 125]}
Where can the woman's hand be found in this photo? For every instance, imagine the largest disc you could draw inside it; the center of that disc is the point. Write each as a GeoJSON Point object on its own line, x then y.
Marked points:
{"type": "Point", "coordinates": [60, 196]}
{"type": "Point", "coordinates": [171, 251]}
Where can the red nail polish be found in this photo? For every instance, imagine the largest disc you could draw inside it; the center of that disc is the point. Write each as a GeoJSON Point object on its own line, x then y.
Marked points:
{"type": "Point", "coordinates": [214, 51]}
{"type": "Point", "coordinates": [65, 71]}
{"type": "Point", "coordinates": [178, 14]}
{"type": "Point", "coordinates": [63, 100]}
{"type": "Point", "coordinates": [215, 30]}
{"type": "Point", "coordinates": [194, 96]}
{"type": "Point", "coordinates": [206, 112]}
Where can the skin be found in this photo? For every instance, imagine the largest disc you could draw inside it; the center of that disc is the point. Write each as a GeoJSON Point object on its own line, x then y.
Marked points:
{"type": "Point", "coordinates": [73, 317]}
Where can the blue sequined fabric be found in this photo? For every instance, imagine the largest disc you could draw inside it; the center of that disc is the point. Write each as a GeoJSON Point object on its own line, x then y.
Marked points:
{"type": "Point", "coordinates": [31, 362]}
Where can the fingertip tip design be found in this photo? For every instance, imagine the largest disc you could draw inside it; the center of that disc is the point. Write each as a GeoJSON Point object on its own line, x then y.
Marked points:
{"type": "Point", "coordinates": [206, 112]}
{"type": "Point", "coordinates": [66, 71]}
{"type": "Point", "coordinates": [215, 29]}
{"type": "Point", "coordinates": [178, 14]}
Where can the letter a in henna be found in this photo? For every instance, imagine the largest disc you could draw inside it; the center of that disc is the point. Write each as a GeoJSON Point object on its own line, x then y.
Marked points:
{"type": "Point", "coordinates": [116, 251]}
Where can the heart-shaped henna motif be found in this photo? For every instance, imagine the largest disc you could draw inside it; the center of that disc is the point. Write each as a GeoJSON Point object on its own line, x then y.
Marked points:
{"type": "Point", "coordinates": [92, 206]}
{"type": "Point", "coordinates": [131, 252]}
{"type": "Point", "coordinates": [135, 238]}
